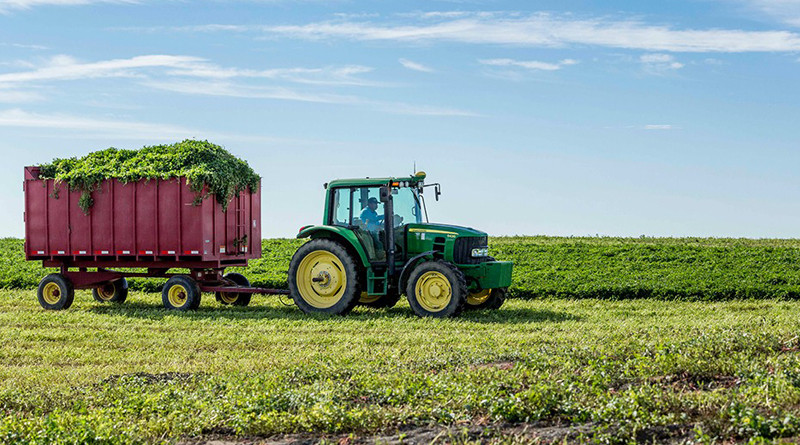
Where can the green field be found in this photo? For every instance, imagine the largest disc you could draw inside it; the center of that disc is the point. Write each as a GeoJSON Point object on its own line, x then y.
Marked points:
{"type": "Point", "coordinates": [611, 340]}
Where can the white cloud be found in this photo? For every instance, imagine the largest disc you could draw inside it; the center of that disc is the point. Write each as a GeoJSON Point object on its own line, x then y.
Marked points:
{"type": "Point", "coordinates": [529, 64]}
{"type": "Point", "coordinates": [123, 129]}
{"type": "Point", "coordinates": [785, 11]}
{"type": "Point", "coordinates": [226, 89]}
{"type": "Point", "coordinates": [18, 96]}
{"type": "Point", "coordinates": [547, 30]}
{"type": "Point", "coordinates": [414, 66]}
{"type": "Point", "coordinates": [659, 127]}
{"type": "Point", "coordinates": [67, 68]}
{"type": "Point", "coordinates": [10, 5]}
{"type": "Point", "coordinates": [64, 67]}
{"type": "Point", "coordinates": [24, 46]}
{"type": "Point", "coordinates": [229, 89]}
{"type": "Point", "coordinates": [659, 63]}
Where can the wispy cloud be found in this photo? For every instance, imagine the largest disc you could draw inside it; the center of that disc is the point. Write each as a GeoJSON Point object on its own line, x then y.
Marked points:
{"type": "Point", "coordinates": [529, 64]}
{"type": "Point", "coordinates": [659, 127]}
{"type": "Point", "coordinates": [23, 46]}
{"type": "Point", "coordinates": [784, 11]}
{"type": "Point", "coordinates": [123, 129]}
{"type": "Point", "coordinates": [546, 30]}
{"type": "Point", "coordinates": [67, 68]}
{"type": "Point", "coordinates": [414, 66]}
{"type": "Point", "coordinates": [229, 89]}
{"type": "Point", "coordinates": [659, 63]}
{"type": "Point", "coordinates": [11, 5]}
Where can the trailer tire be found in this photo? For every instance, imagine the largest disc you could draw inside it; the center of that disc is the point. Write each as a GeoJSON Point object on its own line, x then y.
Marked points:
{"type": "Point", "coordinates": [337, 292]}
{"type": "Point", "coordinates": [235, 298]}
{"type": "Point", "coordinates": [483, 300]}
{"type": "Point", "coordinates": [181, 293]}
{"type": "Point", "coordinates": [113, 292]}
{"type": "Point", "coordinates": [55, 292]}
{"type": "Point", "coordinates": [436, 289]}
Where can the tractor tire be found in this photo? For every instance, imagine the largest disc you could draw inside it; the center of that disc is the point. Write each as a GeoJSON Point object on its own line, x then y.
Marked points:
{"type": "Point", "coordinates": [380, 302]}
{"type": "Point", "coordinates": [55, 292]}
{"type": "Point", "coordinates": [436, 289]}
{"type": "Point", "coordinates": [235, 298]}
{"type": "Point", "coordinates": [113, 292]}
{"type": "Point", "coordinates": [181, 293]}
{"type": "Point", "coordinates": [486, 299]}
{"type": "Point", "coordinates": [323, 278]}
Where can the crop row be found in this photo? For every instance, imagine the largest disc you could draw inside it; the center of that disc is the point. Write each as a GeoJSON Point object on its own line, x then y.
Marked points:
{"type": "Point", "coordinates": [547, 267]}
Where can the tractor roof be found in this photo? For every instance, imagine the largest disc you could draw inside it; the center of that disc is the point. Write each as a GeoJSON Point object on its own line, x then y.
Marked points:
{"type": "Point", "coordinates": [361, 182]}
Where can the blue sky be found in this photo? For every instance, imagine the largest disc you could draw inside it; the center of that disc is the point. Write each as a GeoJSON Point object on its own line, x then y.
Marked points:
{"type": "Point", "coordinates": [560, 118]}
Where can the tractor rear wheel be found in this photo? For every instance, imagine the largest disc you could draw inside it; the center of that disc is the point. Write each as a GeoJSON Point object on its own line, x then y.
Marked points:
{"type": "Point", "coordinates": [486, 299]}
{"type": "Point", "coordinates": [436, 289]}
{"type": "Point", "coordinates": [235, 298]}
{"type": "Point", "coordinates": [55, 292]}
{"type": "Point", "coordinates": [181, 293]}
{"type": "Point", "coordinates": [113, 292]}
{"type": "Point", "coordinates": [323, 277]}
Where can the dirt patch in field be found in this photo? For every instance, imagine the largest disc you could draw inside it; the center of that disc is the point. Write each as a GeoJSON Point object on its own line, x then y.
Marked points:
{"type": "Point", "coordinates": [691, 382]}
{"type": "Point", "coordinates": [148, 378]}
{"type": "Point", "coordinates": [538, 433]}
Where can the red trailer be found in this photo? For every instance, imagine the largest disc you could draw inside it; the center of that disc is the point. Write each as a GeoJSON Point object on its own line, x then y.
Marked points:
{"type": "Point", "coordinates": [157, 225]}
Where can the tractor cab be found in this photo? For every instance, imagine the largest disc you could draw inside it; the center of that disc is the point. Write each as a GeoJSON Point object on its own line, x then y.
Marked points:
{"type": "Point", "coordinates": [384, 246]}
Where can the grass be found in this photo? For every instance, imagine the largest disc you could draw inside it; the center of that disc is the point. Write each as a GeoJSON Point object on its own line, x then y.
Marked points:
{"type": "Point", "coordinates": [624, 371]}
{"type": "Point", "coordinates": [547, 267]}
{"type": "Point", "coordinates": [608, 361]}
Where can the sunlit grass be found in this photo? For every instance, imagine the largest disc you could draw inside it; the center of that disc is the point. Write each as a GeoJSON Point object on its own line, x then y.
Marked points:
{"type": "Point", "coordinates": [629, 370]}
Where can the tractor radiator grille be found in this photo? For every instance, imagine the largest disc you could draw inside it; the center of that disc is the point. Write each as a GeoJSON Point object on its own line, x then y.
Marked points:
{"type": "Point", "coordinates": [462, 251]}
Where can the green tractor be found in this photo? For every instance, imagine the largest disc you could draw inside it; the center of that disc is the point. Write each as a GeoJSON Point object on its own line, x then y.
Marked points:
{"type": "Point", "coordinates": [375, 244]}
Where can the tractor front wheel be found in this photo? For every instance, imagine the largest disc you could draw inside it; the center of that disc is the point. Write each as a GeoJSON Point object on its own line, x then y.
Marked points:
{"type": "Point", "coordinates": [113, 292]}
{"type": "Point", "coordinates": [235, 298]}
{"type": "Point", "coordinates": [486, 299]}
{"type": "Point", "coordinates": [323, 278]}
{"type": "Point", "coordinates": [55, 292]}
{"type": "Point", "coordinates": [436, 289]}
{"type": "Point", "coordinates": [181, 293]}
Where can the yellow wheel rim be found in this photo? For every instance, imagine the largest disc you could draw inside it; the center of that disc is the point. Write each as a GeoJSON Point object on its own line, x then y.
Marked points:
{"type": "Point", "coordinates": [177, 295]}
{"type": "Point", "coordinates": [367, 298]}
{"type": "Point", "coordinates": [51, 293]}
{"type": "Point", "coordinates": [433, 291]}
{"type": "Point", "coordinates": [321, 279]}
{"type": "Point", "coordinates": [106, 292]}
{"type": "Point", "coordinates": [229, 297]}
{"type": "Point", "coordinates": [479, 297]}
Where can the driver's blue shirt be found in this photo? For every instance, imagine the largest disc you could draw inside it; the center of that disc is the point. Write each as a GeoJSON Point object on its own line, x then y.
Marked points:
{"type": "Point", "coordinates": [371, 219]}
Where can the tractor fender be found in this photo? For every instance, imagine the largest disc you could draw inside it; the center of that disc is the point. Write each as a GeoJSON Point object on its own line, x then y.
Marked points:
{"type": "Point", "coordinates": [410, 265]}
{"type": "Point", "coordinates": [339, 234]}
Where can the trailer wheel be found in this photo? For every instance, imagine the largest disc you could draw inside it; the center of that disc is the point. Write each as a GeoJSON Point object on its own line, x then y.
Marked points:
{"type": "Point", "coordinates": [181, 293]}
{"type": "Point", "coordinates": [486, 299]}
{"type": "Point", "coordinates": [323, 278]}
{"type": "Point", "coordinates": [55, 292]}
{"type": "Point", "coordinates": [235, 298]}
{"type": "Point", "coordinates": [436, 289]}
{"type": "Point", "coordinates": [113, 292]}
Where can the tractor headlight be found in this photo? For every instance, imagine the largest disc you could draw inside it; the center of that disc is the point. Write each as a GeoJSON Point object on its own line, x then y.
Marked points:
{"type": "Point", "coordinates": [480, 252]}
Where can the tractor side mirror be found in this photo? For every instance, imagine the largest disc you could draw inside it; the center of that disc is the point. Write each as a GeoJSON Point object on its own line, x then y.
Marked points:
{"type": "Point", "coordinates": [386, 195]}
{"type": "Point", "coordinates": [438, 190]}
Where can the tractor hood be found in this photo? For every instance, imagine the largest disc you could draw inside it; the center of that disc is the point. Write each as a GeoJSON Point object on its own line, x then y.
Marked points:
{"type": "Point", "coordinates": [447, 230]}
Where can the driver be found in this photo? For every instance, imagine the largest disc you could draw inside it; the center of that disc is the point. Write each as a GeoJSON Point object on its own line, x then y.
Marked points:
{"type": "Point", "coordinates": [370, 217]}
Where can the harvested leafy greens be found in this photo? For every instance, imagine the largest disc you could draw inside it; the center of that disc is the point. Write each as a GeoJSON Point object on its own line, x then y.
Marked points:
{"type": "Point", "coordinates": [201, 162]}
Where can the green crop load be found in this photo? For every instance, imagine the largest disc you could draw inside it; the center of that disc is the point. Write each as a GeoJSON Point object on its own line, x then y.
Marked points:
{"type": "Point", "coordinates": [202, 163]}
